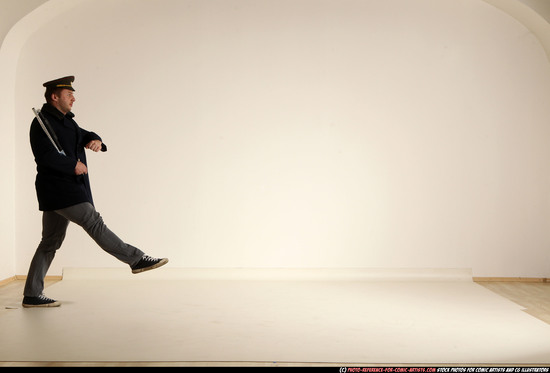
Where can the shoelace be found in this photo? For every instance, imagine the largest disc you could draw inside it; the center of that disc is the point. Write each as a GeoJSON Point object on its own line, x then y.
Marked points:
{"type": "Point", "coordinates": [43, 297]}
{"type": "Point", "coordinates": [148, 258]}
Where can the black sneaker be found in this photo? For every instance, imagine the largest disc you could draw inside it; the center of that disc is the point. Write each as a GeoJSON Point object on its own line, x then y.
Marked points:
{"type": "Point", "coordinates": [40, 301]}
{"type": "Point", "coordinates": [146, 263]}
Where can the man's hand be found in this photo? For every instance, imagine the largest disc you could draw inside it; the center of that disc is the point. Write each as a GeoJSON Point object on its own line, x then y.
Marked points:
{"type": "Point", "coordinates": [94, 145]}
{"type": "Point", "coordinates": [80, 168]}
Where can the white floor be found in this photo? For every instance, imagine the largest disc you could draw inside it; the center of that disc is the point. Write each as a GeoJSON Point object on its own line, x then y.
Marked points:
{"type": "Point", "coordinates": [273, 316]}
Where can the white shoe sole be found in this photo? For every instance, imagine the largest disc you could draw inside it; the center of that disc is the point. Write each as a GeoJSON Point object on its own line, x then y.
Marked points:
{"type": "Point", "coordinates": [54, 304]}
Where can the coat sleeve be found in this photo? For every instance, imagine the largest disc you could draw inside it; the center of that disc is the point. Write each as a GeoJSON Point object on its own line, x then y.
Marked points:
{"type": "Point", "coordinates": [45, 154]}
{"type": "Point", "coordinates": [88, 136]}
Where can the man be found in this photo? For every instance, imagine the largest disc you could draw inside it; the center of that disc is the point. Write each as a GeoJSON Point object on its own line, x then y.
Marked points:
{"type": "Point", "coordinates": [63, 191]}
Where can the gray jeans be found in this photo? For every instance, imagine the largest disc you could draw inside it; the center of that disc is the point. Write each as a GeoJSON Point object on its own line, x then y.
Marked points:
{"type": "Point", "coordinates": [54, 228]}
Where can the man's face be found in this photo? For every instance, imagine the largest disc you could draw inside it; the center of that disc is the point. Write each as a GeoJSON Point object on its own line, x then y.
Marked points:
{"type": "Point", "coordinates": [64, 102]}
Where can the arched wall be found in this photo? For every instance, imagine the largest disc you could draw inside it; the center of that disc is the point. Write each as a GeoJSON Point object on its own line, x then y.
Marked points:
{"type": "Point", "coordinates": [533, 14]}
{"type": "Point", "coordinates": [301, 133]}
{"type": "Point", "coordinates": [11, 42]}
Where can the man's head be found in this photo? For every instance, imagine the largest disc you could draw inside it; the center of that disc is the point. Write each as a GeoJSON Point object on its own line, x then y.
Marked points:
{"type": "Point", "coordinates": [59, 93]}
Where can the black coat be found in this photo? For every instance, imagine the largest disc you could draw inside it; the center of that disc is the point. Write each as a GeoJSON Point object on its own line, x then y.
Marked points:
{"type": "Point", "coordinates": [57, 185]}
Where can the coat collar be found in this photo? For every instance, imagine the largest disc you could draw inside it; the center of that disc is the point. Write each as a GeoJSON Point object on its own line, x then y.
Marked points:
{"type": "Point", "coordinates": [50, 109]}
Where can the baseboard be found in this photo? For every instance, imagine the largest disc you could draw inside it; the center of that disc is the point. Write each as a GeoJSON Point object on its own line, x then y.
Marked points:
{"type": "Point", "coordinates": [7, 280]}
{"type": "Point", "coordinates": [511, 279]}
{"type": "Point", "coordinates": [24, 277]}
{"type": "Point", "coordinates": [55, 278]}
{"type": "Point", "coordinates": [272, 274]}
{"type": "Point", "coordinates": [475, 279]}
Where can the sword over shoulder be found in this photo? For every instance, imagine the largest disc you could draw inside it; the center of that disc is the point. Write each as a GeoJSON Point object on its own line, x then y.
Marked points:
{"type": "Point", "coordinates": [43, 125]}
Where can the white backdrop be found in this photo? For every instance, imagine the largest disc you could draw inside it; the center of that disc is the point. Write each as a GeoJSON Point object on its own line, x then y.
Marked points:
{"type": "Point", "coordinates": [302, 133]}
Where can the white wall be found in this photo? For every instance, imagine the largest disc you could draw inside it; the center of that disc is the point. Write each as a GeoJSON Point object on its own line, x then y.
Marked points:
{"type": "Point", "coordinates": [303, 133]}
{"type": "Point", "coordinates": [11, 11]}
